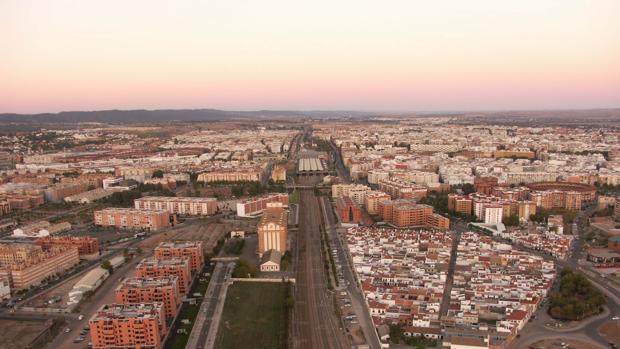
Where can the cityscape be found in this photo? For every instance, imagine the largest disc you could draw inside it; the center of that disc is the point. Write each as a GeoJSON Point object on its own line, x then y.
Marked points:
{"type": "Point", "coordinates": [310, 175]}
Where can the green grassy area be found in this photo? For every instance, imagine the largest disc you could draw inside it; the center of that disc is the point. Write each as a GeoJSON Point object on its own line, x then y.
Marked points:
{"type": "Point", "coordinates": [294, 197]}
{"type": "Point", "coordinates": [255, 316]}
{"type": "Point", "coordinates": [188, 311]}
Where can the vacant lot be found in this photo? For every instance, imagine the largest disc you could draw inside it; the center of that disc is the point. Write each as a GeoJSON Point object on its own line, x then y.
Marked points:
{"type": "Point", "coordinates": [254, 316]}
{"type": "Point", "coordinates": [20, 334]}
{"type": "Point", "coordinates": [198, 229]}
{"type": "Point", "coordinates": [611, 331]}
{"type": "Point", "coordinates": [556, 343]}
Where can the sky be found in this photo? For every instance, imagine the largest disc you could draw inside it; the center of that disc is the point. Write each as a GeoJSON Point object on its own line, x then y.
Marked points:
{"type": "Point", "coordinates": [392, 55]}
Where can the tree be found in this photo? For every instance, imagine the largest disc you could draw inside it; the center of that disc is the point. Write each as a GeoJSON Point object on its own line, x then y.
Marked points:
{"type": "Point", "coordinates": [468, 188]}
{"type": "Point", "coordinates": [123, 198]}
{"type": "Point", "coordinates": [193, 176]}
{"type": "Point", "coordinates": [396, 333]}
{"type": "Point", "coordinates": [234, 246]}
{"type": "Point", "coordinates": [243, 269]}
{"type": "Point", "coordinates": [512, 220]}
{"type": "Point", "coordinates": [158, 174]}
{"type": "Point", "coordinates": [576, 298]}
{"type": "Point", "coordinates": [107, 266]}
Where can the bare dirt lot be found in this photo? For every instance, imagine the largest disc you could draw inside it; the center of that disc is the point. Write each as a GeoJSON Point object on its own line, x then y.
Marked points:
{"type": "Point", "coordinates": [19, 334]}
{"type": "Point", "coordinates": [611, 331]}
{"type": "Point", "coordinates": [208, 231]}
{"type": "Point", "coordinates": [556, 343]}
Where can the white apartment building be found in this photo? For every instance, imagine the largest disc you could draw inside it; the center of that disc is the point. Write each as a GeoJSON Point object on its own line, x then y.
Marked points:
{"type": "Point", "coordinates": [493, 214]}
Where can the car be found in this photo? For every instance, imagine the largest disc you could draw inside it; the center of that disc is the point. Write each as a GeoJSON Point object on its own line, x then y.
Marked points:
{"type": "Point", "coordinates": [80, 317]}
{"type": "Point", "coordinates": [615, 318]}
{"type": "Point", "coordinates": [67, 330]}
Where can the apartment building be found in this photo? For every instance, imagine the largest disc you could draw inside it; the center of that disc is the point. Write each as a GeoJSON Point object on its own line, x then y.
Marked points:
{"type": "Point", "coordinates": [175, 266]}
{"type": "Point", "coordinates": [375, 176]}
{"type": "Point", "coordinates": [493, 213]}
{"type": "Point", "coordinates": [485, 185]}
{"type": "Point", "coordinates": [401, 189]}
{"type": "Point", "coordinates": [190, 206]}
{"type": "Point", "coordinates": [348, 211]}
{"type": "Point", "coordinates": [164, 290]}
{"type": "Point", "coordinates": [418, 177]}
{"type": "Point", "coordinates": [254, 206]}
{"type": "Point", "coordinates": [190, 249]}
{"type": "Point", "coordinates": [516, 153]}
{"type": "Point", "coordinates": [86, 245]}
{"type": "Point", "coordinates": [128, 218]}
{"type": "Point", "coordinates": [5, 207]}
{"type": "Point", "coordinates": [128, 326]}
{"type": "Point", "coordinates": [23, 201]}
{"type": "Point", "coordinates": [60, 191]}
{"type": "Point", "coordinates": [459, 203]}
{"type": "Point", "coordinates": [357, 192]}
{"type": "Point", "coordinates": [232, 175]}
{"type": "Point", "coordinates": [407, 213]}
{"type": "Point", "coordinates": [273, 230]}
{"type": "Point", "coordinates": [27, 264]}
{"type": "Point", "coordinates": [372, 200]}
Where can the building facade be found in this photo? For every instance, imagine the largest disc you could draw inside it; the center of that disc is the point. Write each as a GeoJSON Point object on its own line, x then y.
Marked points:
{"type": "Point", "coordinates": [407, 213]}
{"type": "Point", "coordinates": [348, 211]}
{"type": "Point", "coordinates": [27, 264]}
{"type": "Point", "coordinates": [128, 326]}
{"type": "Point", "coordinates": [255, 206]}
{"type": "Point", "coordinates": [163, 290]}
{"type": "Point", "coordinates": [190, 249]}
{"type": "Point", "coordinates": [127, 218]}
{"type": "Point", "coordinates": [191, 206]}
{"type": "Point", "coordinates": [273, 230]}
{"type": "Point", "coordinates": [177, 266]}
{"type": "Point", "coordinates": [86, 245]}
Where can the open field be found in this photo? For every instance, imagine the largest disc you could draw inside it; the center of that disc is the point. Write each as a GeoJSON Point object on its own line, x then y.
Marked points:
{"type": "Point", "coordinates": [19, 334]}
{"type": "Point", "coordinates": [208, 232]}
{"type": "Point", "coordinates": [611, 331]}
{"type": "Point", "coordinates": [254, 316]}
{"type": "Point", "coordinates": [556, 343]}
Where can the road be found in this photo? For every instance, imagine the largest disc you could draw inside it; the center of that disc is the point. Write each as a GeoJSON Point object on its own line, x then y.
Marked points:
{"type": "Point", "coordinates": [342, 171]}
{"type": "Point", "coordinates": [103, 295]}
{"type": "Point", "coordinates": [314, 321]}
{"type": "Point", "coordinates": [358, 302]}
{"type": "Point", "coordinates": [445, 300]}
{"type": "Point", "coordinates": [206, 325]}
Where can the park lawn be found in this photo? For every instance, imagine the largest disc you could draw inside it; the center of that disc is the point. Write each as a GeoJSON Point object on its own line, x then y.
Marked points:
{"type": "Point", "coordinates": [254, 316]}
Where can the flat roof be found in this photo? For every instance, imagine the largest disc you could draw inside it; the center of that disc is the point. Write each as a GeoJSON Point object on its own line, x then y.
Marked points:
{"type": "Point", "coordinates": [310, 164]}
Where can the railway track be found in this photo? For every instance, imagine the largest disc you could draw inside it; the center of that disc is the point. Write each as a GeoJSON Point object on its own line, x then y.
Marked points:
{"type": "Point", "coordinates": [315, 323]}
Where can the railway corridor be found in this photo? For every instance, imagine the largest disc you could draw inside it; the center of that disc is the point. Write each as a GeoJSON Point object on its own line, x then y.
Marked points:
{"type": "Point", "coordinates": [315, 324]}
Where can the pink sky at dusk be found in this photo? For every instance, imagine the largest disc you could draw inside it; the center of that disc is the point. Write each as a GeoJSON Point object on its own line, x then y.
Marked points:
{"type": "Point", "coordinates": [363, 55]}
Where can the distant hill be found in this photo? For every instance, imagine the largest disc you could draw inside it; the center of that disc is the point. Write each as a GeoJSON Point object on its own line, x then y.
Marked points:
{"type": "Point", "coordinates": [139, 116]}
{"type": "Point", "coordinates": [591, 117]}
